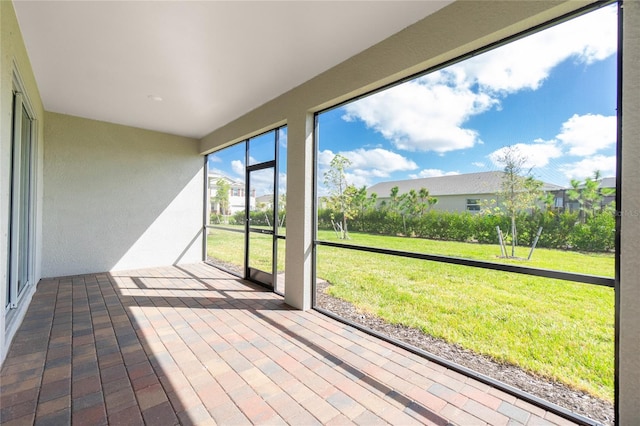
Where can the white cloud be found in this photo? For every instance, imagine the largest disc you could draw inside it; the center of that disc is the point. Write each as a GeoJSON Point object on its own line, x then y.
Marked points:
{"type": "Point", "coordinates": [216, 171]}
{"type": "Point", "coordinates": [585, 135]}
{"type": "Point", "coordinates": [282, 183]}
{"type": "Point", "coordinates": [359, 179]}
{"type": "Point", "coordinates": [215, 159]}
{"type": "Point", "coordinates": [367, 164]}
{"type": "Point", "coordinates": [433, 173]}
{"type": "Point", "coordinates": [283, 137]}
{"type": "Point", "coordinates": [325, 157]}
{"type": "Point", "coordinates": [429, 113]}
{"type": "Point", "coordinates": [526, 63]}
{"type": "Point", "coordinates": [536, 154]}
{"type": "Point", "coordinates": [382, 160]}
{"type": "Point", "coordinates": [479, 164]}
{"type": "Point", "coordinates": [262, 182]}
{"type": "Point", "coordinates": [238, 167]}
{"type": "Point", "coordinates": [584, 168]}
{"type": "Point", "coordinates": [422, 115]}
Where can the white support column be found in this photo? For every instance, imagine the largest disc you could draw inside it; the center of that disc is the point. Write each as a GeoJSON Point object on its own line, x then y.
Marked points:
{"type": "Point", "coordinates": [298, 262]}
{"type": "Point", "coordinates": [629, 297]}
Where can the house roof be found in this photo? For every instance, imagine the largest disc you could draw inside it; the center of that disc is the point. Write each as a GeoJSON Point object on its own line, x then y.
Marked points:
{"type": "Point", "coordinates": [608, 182]}
{"type": "Point", "coordinates": [215, 176]}
{"type": "Point", "coordinates": [189, 67]}
{"type": "Point", "coordinates": [267, 198]}
{"type": "Point", "coordinates": [468, 183]}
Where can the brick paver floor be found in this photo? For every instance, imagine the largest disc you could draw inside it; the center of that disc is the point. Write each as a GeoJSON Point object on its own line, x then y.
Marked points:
{"type": "Point", "coordinates": [192, 345]}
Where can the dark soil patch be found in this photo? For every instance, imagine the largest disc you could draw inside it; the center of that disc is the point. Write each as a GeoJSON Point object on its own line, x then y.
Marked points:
{"type": "Point", "coordinates": [560, 394]}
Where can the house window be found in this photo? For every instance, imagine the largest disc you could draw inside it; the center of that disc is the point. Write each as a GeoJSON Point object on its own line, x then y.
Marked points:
{"type": "Point", "coordinates": [473, 204]}
{"type": "Point", "coordinates": [559, 202]}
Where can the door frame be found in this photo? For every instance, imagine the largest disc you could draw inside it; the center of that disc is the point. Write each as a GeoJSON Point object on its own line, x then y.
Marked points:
{"type": "Point", "coordinates": [254, 274]}
{"type": "Point", "coordinates": [20, 247]}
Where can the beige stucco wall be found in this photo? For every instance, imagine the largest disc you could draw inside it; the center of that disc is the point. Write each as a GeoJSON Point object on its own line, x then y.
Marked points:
{"type": "Point", "coordinates": [117, 197]}
{"type": "Point", "coordinates": [13, 57]}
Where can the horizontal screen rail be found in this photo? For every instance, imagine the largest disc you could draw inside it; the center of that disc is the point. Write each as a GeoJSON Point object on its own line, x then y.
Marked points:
{"type": "Point", "coordinates": [546, 273]}
{"type": "Point", "coordinates": [224, 228]}
{"type": "Point", "coordinates": [242, 231]}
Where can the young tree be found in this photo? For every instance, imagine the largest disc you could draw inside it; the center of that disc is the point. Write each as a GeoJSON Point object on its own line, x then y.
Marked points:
{"type": "Point", "coordinates": [589, 195]}
{"type": "Point", "coordinates": [426, 201]}
{"type": "Point", "coordinates": [361, 203]}
{"type": "Point", "coordinates": [222, 196]}
{"type": "Point", "coordinates": [416, 203]}
{"type": "Point", "coordinates": [340, 192]}
{"type": "Point", "coordinates": [409, 203]}
{"type": "Point", "coordinates": [394, 200]}
{"type": "Point", "coordinates": [519, 189]}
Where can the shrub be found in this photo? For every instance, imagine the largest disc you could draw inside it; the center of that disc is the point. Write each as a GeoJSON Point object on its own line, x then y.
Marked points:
{"type": "Point", "coordinates": [484, 227]}
{"type": "Point", "coordinates": [559, 230]}
{"type": "Point", "coordinates": [237, 218]}
{"type": "Point", "coordinates": [596, 234]}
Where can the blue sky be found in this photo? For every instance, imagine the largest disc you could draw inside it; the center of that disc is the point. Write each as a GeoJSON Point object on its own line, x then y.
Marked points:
{"type": "Point", "coordinates": [231, 161]}
{"type": "Point", "coordinates": [552, 95]}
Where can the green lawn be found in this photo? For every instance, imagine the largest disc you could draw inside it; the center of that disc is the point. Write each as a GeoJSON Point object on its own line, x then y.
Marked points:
{"type": "Point", "coordinates": [553, 328]}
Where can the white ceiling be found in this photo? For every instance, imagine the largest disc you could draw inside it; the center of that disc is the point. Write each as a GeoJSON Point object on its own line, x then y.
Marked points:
{"type": "Point", "coordinates": [209, 61]}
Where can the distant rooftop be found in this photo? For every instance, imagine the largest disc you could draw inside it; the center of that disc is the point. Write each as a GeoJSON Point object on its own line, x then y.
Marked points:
{"type": "Point", "coordinates": [216, 175]}
{"type": "Point", "coordinates": [608, 182]}
{"type": "Point", "coordinates": [468, 183]}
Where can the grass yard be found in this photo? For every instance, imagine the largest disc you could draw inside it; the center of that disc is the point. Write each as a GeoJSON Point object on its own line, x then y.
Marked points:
{"type": "Point", "coordinates": [556, 329]}
{"type": "Point", "coordinates": [568, 261]}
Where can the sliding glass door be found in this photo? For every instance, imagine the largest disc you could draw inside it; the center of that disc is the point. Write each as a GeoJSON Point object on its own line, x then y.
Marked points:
{"type": "Point", "coordinates": [19, 257]}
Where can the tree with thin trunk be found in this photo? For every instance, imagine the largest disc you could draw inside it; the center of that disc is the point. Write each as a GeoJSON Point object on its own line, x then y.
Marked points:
{"type": "Point", "coordinates": [362, 202]}
{"type": "Point", "coordinates": [519, 190]}
{"type": "Point", "coordinates": [426, 201]}
{"type": "Point", "coordinates": [394, 199]}
{"type": "Point", "coordinates": [340, 193]}
{"type": "Point", "coordinates": [222, 196]}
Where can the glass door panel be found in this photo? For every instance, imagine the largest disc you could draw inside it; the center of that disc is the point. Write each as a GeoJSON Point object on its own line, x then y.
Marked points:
{"type": "Point", "coordinates": [261, 257]}
{"type": "Point", "coordinates": [278, 286]}
{"type": "Point", "coordinates": [20, 222]}
{"type": "Point", "coordinates": [24, 207]}
{"type": "Point", "coordinates": [261, 223]}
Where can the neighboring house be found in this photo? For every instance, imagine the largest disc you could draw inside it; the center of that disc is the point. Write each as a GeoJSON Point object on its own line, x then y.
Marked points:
{"type": "Point", "coordinates": [237, 194]}
{"type": "Point", "coordinates": [264, 202]}
{"type": "Point", "coordinates": [609, 183]}
{"type": "Point", "coordinates": [605, 183]}
{"type": "Point", "coordinates": [457, 193]}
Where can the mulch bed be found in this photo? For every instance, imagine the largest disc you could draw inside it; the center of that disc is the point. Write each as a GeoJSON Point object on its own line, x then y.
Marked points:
{"type": "Point", "coordinates": [560, 394]}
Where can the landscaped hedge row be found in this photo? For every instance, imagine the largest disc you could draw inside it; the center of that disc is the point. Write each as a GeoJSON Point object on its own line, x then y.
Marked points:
{"type": "Point", "coordinates": [559, 230]}
{"type": "Point", "coordinates": [257, 217]}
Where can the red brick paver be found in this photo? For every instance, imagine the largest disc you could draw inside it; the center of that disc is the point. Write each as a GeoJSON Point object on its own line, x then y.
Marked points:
{"type": "Point", "coordinates": [193, 345]}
